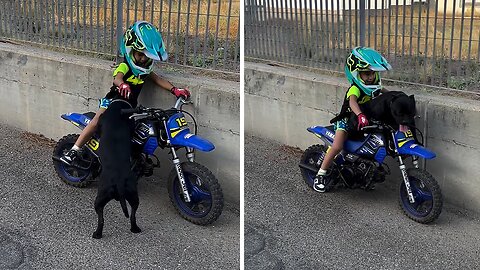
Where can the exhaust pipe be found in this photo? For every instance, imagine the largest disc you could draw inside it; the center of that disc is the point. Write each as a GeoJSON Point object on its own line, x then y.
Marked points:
{"type": "Point", "coordinates": [55, 158]}
{"type": "Point", "coordinates": [308, 167]}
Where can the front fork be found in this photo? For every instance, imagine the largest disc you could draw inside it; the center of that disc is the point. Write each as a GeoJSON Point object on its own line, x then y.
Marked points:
{"type": "Point", "coordinates": [403, 169]}
{"type": "Point", "coordinates": [190, 154]}
{"type": "Point", "coordinates": [415, 162]}
{"type": "Point", "coordinates": [181, 177]}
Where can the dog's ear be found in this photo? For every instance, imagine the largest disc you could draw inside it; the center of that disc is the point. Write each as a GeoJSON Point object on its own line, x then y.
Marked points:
{"type": "Point", "coordinates": [412, 98]}
{"type": "Point", "coordinates": [395, 95]}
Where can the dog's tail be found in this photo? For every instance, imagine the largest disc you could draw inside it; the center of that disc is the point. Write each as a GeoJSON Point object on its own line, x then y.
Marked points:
{"type": "Point", "coordinates": [123, 203]}
{"type": "Point", "coordinates": [121, 199]}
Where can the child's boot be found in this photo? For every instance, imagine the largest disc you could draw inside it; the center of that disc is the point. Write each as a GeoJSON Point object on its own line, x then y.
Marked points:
{"type": "Point", "coordinates": [319, 183]}
{"type": "Point", "coordinates": [69, 157]}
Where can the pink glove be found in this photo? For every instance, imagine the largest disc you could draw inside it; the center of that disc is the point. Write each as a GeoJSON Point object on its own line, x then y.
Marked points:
{"type": "Point", "coordinates": [362, 121]}
{"type": "Point", "coordinates": [124, 90]}
{"type": "Point", "coordinates": [179, 92]}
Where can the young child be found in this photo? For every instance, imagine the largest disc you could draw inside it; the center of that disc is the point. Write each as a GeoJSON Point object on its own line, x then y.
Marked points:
{"type": "Point", "coordinates": [362, 69]}
{"type": "Point", "coordinates": [141, 45]}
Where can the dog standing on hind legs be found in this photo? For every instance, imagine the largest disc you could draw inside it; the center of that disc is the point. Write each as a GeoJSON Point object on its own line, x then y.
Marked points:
{"type": "Point", "coordinates": [117, 181]}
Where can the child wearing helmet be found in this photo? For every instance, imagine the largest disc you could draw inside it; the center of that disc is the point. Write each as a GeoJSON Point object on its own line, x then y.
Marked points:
{"type": "Point", "coordinates": [362, 68]}
{"type": "Point", "coordinates": [141, 45]}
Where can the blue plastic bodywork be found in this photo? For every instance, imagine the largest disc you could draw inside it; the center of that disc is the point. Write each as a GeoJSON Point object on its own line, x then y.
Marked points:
{"type": "Point", "coordinates": [353, 146]}
{"type": "Point", "coordinates": [77, 119]}
{"type": "Point", "coordinates": [328, 136]}
{"type": "Point", "coordinates": [150, 146]}
{"type": "Point", "coordinates": [381, 155]}
{"type": "Point", "coordinates": [362, 147]}
{"type": "Point", "coordinates": [185, 138]}
{"type": "Point", "coordinates": [407, 146]}
{"type": "Point", "coordinates": [323, 133]}
{"type": "Point", "coordinates": [179, 134]}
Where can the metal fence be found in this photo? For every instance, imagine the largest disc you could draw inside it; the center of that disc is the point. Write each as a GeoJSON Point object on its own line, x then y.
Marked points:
{"type": "Point", "coordinates": [199, 33]}
{"type": "Point", "coordinates": [428, 42]}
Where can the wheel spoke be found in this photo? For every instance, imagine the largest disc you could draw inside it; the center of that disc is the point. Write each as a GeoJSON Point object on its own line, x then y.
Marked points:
{"type": "Point", "coordinates": [420, 194]}
{"type": "Point", "coordinates": [425, 196]}
{"type": "Point", "coordinates": [199, 194]}
{"type": "Point", "coordinates": [422, 198]}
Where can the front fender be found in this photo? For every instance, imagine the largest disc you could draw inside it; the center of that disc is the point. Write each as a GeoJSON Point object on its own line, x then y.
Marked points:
{"type": "Point", "coordinates": [187, 139]}
{"type": "Point", "coordinates": [413, 149]}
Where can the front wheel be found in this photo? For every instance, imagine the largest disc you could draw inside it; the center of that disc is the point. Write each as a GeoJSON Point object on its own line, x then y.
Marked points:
{"type": "Point", "coordinates": [428, 197]}
{"type": "Point", "coordinates": [206, 196]}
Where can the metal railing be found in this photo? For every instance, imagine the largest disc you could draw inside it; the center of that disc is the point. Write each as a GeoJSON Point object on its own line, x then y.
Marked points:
{"type": "Point", "coordinates": [428, 42]}
{"type": "Point", "coordinates": [199, 33]}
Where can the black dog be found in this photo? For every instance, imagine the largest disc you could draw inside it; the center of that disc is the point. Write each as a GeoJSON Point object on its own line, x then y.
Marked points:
{"type": "Point", "coordinates": [393, 108]}
{"type": "Point", "coordinates": [117, 181]}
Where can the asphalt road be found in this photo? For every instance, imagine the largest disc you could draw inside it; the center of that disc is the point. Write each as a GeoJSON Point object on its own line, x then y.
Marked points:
{"type": "Point", "coordinates": [45, 224]}
{"type": "Point", "coordinates": [290, 226]}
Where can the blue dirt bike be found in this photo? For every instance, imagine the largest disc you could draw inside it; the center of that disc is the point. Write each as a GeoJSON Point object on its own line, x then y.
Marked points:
{"type": "Point", "coordinates": [193, 189]}
{"type": "Point", "coordinates": [361, 164]}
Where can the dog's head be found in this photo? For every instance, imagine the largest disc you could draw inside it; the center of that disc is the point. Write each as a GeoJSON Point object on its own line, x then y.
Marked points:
{"type": "Point", "coordinates": [403, 110]}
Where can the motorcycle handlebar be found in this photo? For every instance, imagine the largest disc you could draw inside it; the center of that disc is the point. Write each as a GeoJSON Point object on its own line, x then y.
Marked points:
{"type": "Point", "coordinates": [181, 101]}
{"type": "Point", "coordinates": [374, 124]}
{"type": "Point", "coordinates": [140, 109]}
{"type": "Point", "coordinates": [370, 127]}
{"type": "Point", "coordinates": [129, 111]}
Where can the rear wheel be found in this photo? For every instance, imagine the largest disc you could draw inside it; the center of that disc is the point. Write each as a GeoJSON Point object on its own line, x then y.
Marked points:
{"type": "Point", "coordinates": [313, 158]}
{"type": "Point", "coordinates": [206, 196]}
{"type": "Point", "coordinates": [69, 174]}
{"type": "Point", "coordinates": [428, 197]}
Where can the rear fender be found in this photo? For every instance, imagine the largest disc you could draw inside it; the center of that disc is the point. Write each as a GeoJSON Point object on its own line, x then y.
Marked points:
{"type": "Point", "coordinates": [325, 134]}
{"type": "Point", "coordinates": [78, 119]}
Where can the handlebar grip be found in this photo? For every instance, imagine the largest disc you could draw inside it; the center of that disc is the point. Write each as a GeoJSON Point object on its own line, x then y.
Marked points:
{"type": "Point", "coordinates": [129, 111]}
{"type": "Point", "coordinates": [369, 127]}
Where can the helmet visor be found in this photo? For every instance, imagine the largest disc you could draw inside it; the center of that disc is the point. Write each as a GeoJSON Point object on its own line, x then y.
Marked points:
{"type": "Point", "coordinates": [151, 55]}
{"type": "Point", "coordinates": [159, 56]}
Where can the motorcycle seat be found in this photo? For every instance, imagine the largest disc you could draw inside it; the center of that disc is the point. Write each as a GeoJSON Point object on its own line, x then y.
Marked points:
{"type": "Point", "coordinates": [89, 115]}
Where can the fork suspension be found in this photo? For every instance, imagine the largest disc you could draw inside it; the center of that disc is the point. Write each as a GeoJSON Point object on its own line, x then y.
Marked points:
{"type": "Point", "coordinates": [181, 177]}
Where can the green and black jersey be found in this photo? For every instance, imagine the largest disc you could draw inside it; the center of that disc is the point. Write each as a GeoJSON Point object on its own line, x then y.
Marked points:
{"type": "Point", "coordinates": [135, 82]}
{"type": "Point", "coordinates": [345, 111]}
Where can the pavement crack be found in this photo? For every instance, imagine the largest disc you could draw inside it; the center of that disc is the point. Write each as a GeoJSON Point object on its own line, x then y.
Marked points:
{"type": "Point", "coordinates": [12, 255]}
{"type": "Point", "coordinates": [257, 250]}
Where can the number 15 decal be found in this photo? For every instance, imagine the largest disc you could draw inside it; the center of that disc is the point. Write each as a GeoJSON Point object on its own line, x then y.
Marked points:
{"type": "Point", "coordinates": [181, 121]}
{"type": "Point", "coordinates": [93, 144]}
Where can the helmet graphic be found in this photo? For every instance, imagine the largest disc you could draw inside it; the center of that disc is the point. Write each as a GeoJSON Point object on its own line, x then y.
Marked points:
{"type": "Point", "coordinates": [142, 37]}
{"type": "Point", "coordinates": [365, 59]}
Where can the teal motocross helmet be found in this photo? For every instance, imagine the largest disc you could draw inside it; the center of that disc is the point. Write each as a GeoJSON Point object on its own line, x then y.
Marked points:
{"type": "Point", "coordinates": [143, 37]}
{"type": "Point", "coordinates": [365, 59]}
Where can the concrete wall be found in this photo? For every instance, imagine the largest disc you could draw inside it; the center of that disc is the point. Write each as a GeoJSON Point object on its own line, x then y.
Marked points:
{"type": "Point", "coordinates": [37, 86]}
{"type": "Point", "coordinates": [280, 103]}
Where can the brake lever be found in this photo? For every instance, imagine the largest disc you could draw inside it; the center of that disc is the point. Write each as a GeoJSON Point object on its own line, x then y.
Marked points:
{"type": "Point", "coordinates": [138, 115]}
{"type": "Point", "coordinates": [370, 127]}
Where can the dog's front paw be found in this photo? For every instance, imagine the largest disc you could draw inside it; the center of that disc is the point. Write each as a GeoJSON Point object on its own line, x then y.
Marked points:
{"type": "Point", "coordinates": [135, 229]}
{"type": "Point", "coordinates": [97, 235]}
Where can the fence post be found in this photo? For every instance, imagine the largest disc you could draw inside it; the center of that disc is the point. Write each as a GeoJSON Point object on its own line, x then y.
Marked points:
{"type": "Point", "coordinates": [119, 29]}
{"type": "Point", "coordinates": [362, 22]}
